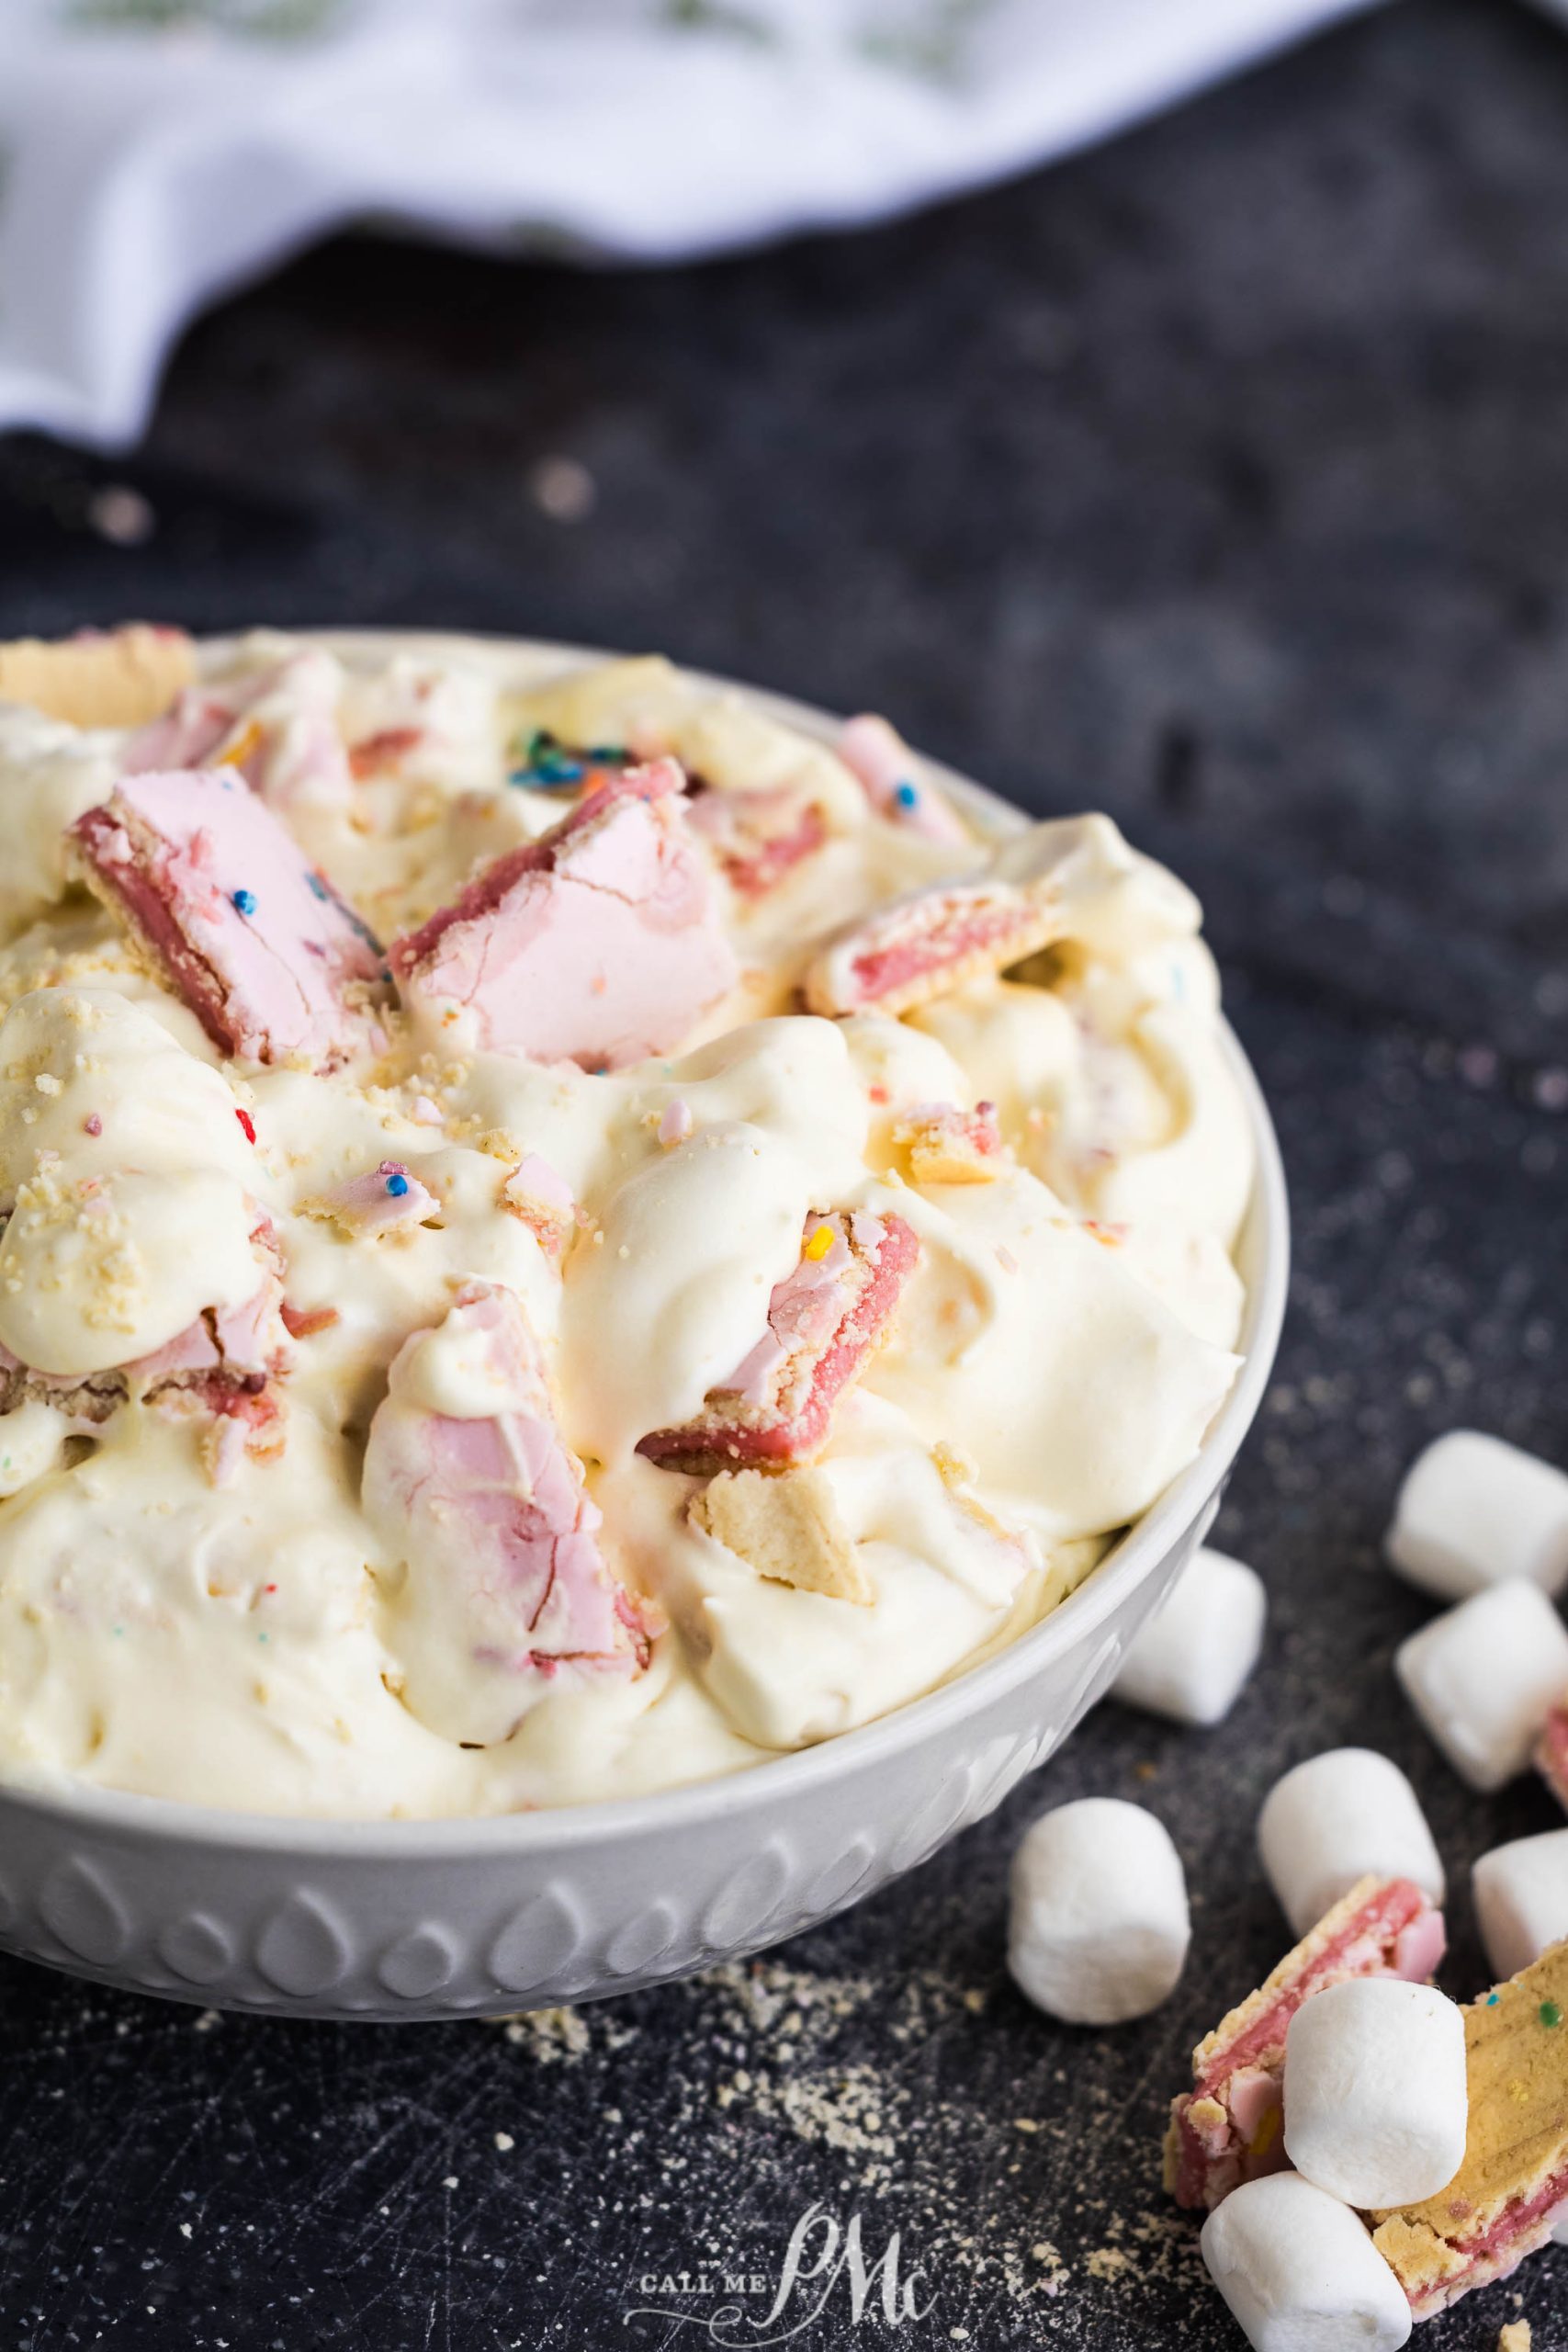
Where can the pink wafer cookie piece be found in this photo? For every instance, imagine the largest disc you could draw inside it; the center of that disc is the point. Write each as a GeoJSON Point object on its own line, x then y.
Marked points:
{"type": "Point", "coordinates": [540, 1196]}
{"type": "Point", "coordinates": [386, 1199]}
{"type": "Point", "coordinates": [1226, 2128]}
{"type": "Point", "coordinates": [491, 1513]}
{"type": "Point", "coordinates": [275, 726]}
{"type": "Point", "coordinates": [272, 962]}
{"type": "Point", "coordinates": [224, 1365]}
{"type": "Point", "coordinates": [758, 837]}
{"type": "Point", "coordinates": [774, 1410]}
{"type": "Point", "coordinates": [925, 946]}
{"type": "Point", "coordinates": [599, 942]}
{"type": "Point", "coordinates": [1552, 1753]}
{"type": "Point", "coordinates": [881, 760]}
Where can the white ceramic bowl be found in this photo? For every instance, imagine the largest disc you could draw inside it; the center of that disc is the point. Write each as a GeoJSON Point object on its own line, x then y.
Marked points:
{"type": "Point", "coordinates": [429, 1920]}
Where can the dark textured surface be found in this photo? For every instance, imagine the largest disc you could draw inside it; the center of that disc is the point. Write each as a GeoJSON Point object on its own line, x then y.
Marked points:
{"type": "Point", "coordinates": [1220, 479]}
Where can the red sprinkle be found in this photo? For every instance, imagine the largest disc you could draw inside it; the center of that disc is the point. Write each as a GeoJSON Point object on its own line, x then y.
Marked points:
{"type": "Point", "coordinates": [93, 1123]}
{"type": "Point", "coordinates": [247, 1123]}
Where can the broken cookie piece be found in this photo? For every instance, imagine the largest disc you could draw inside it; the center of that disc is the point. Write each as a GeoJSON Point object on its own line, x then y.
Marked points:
{"type": "Point", "coordinates": [1072, 879]}
{"type": "Point", "coordinates": [887, 770]}
{"type": "Point", "coordinates": [925, 946]}
{"type": "Point", "coordinates": [824, 1319]}
{"type": "Point", "coordinates": [1512, 2188]}
{"type": "Point", "coordinates": [387, 1199]}
{"type": "Point", "coordinates": [120, 678]}
{"type": "Point", "coordinates": [485, 1511]}
{"type": "Point", "coordinates": [787, 1526]}
{"type": "Point", "coordinates": [599, 942]}
{"type": "Point", "coordinates": [217, 894]}
{"type": "Point", "coordinates": [947, 1146]}
{"type": "Point", "coordinates": [1552, 1753]}
{"type": "Point", "coordinates": [276, 724]}
{"type": "Point", "coordinates": [1226, 2128]}
{"type": "Point", "coordinates": [222, 1369]}
{"type": "Point", "coordinates": [540, 1196]}
{"type": "Point", "coordinates": [759, 837]}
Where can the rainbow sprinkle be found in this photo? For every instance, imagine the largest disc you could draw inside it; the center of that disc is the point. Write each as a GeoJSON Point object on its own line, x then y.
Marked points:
{"type": "Point", "coordinates": [396, 1185]}
{"type": "Point", "coordinates": [247, 1123]}
{"type": "Point", "coordinates": [819, 1245]}
{"type": "Point", "coordinates": [245, 902]}
{"type": "Point", "coordinates": [906, 795]}
{"type": "Point", "coordinates": [546, 763]}
{"type": "Point", "coordinates": [1549, 2014]}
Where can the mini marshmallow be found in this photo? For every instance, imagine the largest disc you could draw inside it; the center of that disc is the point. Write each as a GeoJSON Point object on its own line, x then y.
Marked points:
{"type": "Point", "coordinates": [1473, 1510]}
{"type": "Point", "coordinates": [1097, 1927]}
{"type": "Point", "coordinates": [1376, 2104]}
{"type": "Point", "coordinates": [1521, 1900]}
{"type": "Point", "coordinates": [1191, 1658]}
{"type": "Point", "coordinates": [1346, 1814]}
{"type": "Point", "coordinates": [1299, 2271]}
{"type": "Point", "coordinates": [1483, 1678]}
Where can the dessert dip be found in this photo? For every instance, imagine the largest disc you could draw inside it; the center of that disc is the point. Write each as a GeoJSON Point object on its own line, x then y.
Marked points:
{"type": "Point", "coordinates": [561, 1235]}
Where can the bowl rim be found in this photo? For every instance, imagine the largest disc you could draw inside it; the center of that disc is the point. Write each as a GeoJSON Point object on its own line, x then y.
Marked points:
{"type": "Point", "coordinates": [346, 1839]}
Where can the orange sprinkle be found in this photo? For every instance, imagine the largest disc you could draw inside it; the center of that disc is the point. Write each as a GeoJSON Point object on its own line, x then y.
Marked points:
{"type": "Point", "coordinates": [238, 748]}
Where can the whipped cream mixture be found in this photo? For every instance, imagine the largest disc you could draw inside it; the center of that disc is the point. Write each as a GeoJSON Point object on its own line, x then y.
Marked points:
{"type": "Point", "coordinates": [470, 1337]}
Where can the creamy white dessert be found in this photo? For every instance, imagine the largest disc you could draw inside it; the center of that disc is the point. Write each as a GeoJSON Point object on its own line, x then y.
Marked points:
{"type": "Point", "coordinates": [562, 1237]}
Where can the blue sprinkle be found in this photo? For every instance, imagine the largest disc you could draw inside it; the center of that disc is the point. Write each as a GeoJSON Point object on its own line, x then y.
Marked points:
{"type": "Point", "coordinates": [906, 795]}
{"type": "Point", "coordinates": [1491, 2000]}
{"type": "Point", "coordinates": [246, 900]}
{"type": "Point", "coordinates": [318, 888]}
{"type": "Point", "coordinates": [397, 1186]}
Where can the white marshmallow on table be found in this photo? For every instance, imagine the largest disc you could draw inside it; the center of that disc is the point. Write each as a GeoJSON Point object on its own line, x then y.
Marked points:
{"type": "Point", "coordinates": [1345, 1814]}
{"type": "Point", "coordinates": [1473, 1510]}
{"type": "Point", "coordinates": [1300, 2271]}
{"type": "Point", "coordinates": [1521, 1899]}
{"type": "Point", "coordinates": [1097, 1927]}
{"type": "Point", "coordinates": [1191, 1658]}
{"type": "Point", "coordinates": [1483, 1678]}
{"type": "Point", "coordinates": [1376, 2103]}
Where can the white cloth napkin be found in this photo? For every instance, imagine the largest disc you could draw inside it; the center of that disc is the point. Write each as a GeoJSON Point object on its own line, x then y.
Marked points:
{"type": "Point", "coordinates": [154, 153]}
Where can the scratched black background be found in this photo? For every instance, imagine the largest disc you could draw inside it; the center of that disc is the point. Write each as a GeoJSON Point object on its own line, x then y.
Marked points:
{"type": "Point", "coordinates": [1220, 478]}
